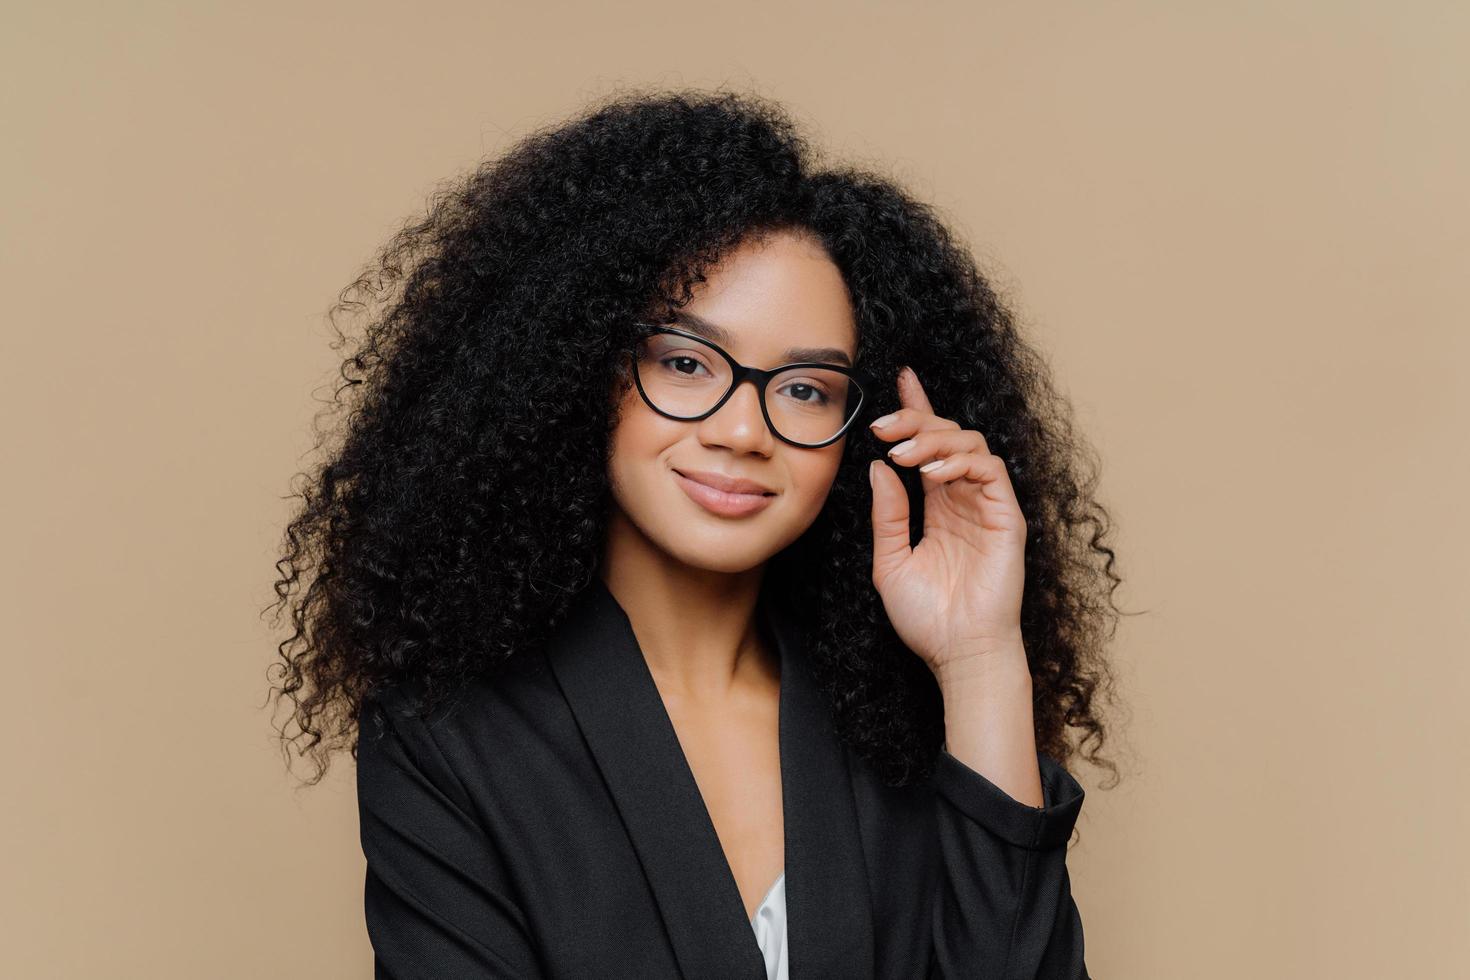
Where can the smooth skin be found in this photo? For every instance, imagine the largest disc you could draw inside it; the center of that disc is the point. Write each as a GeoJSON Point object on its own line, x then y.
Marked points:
{"type": "Point", "coordinates": [689, 579]}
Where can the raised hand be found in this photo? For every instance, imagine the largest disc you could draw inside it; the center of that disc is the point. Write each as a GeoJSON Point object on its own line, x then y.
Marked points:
{"type": "Point", "coordinates": [957, 593]}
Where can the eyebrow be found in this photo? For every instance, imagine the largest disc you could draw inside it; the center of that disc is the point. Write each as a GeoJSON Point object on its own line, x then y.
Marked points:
{"type": "Point", "coordinates": [713, 331]}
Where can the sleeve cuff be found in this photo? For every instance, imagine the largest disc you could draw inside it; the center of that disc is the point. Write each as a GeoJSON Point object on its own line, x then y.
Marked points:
{"type": "Point", "coordinates": [1031, 827]}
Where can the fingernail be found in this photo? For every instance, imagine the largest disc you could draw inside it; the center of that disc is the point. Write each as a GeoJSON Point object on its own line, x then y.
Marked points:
{"type": "Point", "coordinates": [880, 423]}
{"type": "Point", "coordinates": [901, 448]}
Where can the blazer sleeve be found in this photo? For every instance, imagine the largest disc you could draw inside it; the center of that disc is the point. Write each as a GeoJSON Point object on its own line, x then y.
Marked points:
{"type": "Point", "coordinates": [1005, 906]}
{"type": "Point", "coordinates": [436, 896]}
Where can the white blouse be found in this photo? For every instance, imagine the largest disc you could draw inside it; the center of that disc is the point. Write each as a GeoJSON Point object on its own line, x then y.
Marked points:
{"type": "Point", "coordinates": [769, 924]}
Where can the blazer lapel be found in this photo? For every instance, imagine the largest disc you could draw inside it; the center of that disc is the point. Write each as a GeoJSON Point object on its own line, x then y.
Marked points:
{"type": "Point", "coordinates": [829, 915]}
{"type": "Point", "coordinates": [598, 664]}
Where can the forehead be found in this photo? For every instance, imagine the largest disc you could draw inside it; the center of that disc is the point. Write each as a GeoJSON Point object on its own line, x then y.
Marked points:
{"type": "Point", "coordinates": [730, 337]}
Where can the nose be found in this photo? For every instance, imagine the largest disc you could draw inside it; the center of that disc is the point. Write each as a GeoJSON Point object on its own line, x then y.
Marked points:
{"type": "Point", "coordinates": [738, 423]}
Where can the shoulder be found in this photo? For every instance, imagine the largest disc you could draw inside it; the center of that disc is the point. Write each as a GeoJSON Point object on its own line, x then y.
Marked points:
{"type": "Point", "coordinates": [502, 728]}
{"type": "Point", "coordinates": [514, 688]}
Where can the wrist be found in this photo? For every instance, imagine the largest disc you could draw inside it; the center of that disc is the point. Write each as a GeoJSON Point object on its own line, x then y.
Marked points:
{"type": "Point", "coordinates": [1005, 665]}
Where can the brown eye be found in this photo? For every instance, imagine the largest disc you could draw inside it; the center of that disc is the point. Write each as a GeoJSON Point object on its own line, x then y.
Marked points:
{"type": "Point", "coordinates": [807, 394]}
{"type": "Point", "coordinates": [683, 364]}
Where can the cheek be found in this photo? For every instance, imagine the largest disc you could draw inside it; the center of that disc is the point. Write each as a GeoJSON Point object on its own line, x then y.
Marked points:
{"type": "Point", "coordinates": [624, 454]}
{"type": "Point", "coordinates": [812, 476]}
{"type": "Point", "coordinates": [637, 440]}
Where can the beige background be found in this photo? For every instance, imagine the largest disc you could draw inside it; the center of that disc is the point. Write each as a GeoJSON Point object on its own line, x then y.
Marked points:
{"type": "Point", "coordinates": [1241, 233]}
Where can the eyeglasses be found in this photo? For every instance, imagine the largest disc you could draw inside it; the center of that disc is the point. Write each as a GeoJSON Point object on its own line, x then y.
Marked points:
{"type": "Point", "coordinates": [686, 377]}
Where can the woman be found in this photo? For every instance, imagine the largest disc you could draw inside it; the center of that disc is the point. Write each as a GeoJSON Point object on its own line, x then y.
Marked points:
{"type": "Point", "coordinates": [647, 676]}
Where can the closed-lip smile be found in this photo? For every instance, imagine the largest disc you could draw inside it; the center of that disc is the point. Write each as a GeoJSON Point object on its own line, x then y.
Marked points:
{"type": "Point", "coordinates": [724, 496]}
{"type": "Point", "coordinates": [728, 484]}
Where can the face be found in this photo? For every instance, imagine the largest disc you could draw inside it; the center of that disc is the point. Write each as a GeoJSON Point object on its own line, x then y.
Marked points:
{"type": "Point", "coordinates": [768, 297]}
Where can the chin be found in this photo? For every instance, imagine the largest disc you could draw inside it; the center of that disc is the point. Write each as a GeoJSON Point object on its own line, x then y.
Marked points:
{"type": "Point", "coordinates": [731, 553]}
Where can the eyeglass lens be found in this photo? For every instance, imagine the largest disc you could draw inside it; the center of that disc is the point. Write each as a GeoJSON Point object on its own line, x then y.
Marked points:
{"type": "Point", "coordinates": [685, 378]}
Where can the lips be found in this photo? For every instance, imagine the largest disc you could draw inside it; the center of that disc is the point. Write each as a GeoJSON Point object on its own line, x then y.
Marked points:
{"type": "Point", "coordinates": [728, 484]}
{"type": "Point", "coordinates": [724, 503]}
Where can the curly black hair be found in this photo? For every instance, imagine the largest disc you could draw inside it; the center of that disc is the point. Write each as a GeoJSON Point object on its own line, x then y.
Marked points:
{"type": "Point", "coordinates": [461, 500]}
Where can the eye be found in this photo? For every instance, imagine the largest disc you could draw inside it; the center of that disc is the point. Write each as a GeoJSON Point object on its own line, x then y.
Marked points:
{"type": "Point", "coordinates": [806, 393]}
{"type": "Point", "coordinates": [687, 365]}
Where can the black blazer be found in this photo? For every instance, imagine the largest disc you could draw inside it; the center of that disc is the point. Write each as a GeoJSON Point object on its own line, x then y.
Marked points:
{"type": "Point", "coordinates": [548, 825]}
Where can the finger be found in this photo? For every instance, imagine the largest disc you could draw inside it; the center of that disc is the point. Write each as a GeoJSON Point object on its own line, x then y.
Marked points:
{"type": "Point", "coordinates": [906, 421]}
{"type": "Point", "coordinates": [937, 444]}
{"type": "Point", "coordinates": [986, 471]}
{"type": "Point", "coordinates": [911, 393]}
{"type": "Point", "coordinates": [890, 516]}
{"type": "Point", "coordinates": [916, 413]}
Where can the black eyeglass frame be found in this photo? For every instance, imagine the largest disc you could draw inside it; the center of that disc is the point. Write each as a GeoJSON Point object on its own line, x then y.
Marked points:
{"type": "Point", "coordinates": [760, 378]}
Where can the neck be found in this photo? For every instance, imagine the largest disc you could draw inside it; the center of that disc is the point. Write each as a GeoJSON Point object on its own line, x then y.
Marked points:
{"type": "Point", "coordinates": [697, 628]}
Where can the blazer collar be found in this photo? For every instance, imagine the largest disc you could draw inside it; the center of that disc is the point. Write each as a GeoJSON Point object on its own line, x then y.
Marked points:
{"type": "Point", "coordinates": [602, 673]}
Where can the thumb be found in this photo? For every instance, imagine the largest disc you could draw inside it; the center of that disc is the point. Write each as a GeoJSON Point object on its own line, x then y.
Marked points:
{"type": "Point", "coordinates": [890, 520]}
